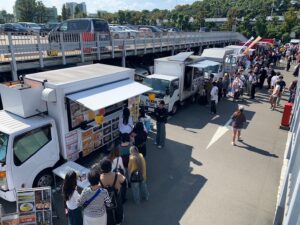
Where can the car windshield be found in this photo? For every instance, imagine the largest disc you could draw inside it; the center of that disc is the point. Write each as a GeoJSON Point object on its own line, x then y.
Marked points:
{"type": "Point", "coordinates": [33, 25]}
{"type": "Point", "coordinates": [78, 25]}
{"type": "Point", "coordinates": [3, 146]}
{"type": "Point", "coordinates": [158, 85]}
{"type": "Point", "coordinates": [17, 25]}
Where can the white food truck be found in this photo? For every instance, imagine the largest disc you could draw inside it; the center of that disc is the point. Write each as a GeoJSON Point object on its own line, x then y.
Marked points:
{"type": "Point", "coordinates": [60, 114]}
{"type": "Point", "coordinates": [220, 55]}
{"type": "Point", "coordinates": [176, 79]}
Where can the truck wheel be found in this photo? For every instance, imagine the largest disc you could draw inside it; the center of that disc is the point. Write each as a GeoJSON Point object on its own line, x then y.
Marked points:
{"type": "Point", "coordinates": [44, 179]}
{"type": "Point", "coordinates": [174, 109]}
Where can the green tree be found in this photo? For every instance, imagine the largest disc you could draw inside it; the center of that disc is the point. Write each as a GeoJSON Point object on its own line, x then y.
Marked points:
{"type": "Point", "coordinates": [26, 9]}
{"type": "Point", "coordinates": [261, 26]}
{"type": "Point", "coordinates": [41, 15]}
{"type": "Point", "coordinates": [290, 19]}
{"type": "Point", "coordinates": [77, 12]}
{"type": "Point", "coordinates": [64, 13]}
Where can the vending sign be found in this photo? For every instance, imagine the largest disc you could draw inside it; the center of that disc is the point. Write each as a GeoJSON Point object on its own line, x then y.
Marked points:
{"type": "Point", "coordinates": [34, 206]}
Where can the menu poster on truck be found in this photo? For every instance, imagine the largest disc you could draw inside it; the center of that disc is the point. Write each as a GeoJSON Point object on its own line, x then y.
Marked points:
{"type": "Point", "coordinates": [10, 219]}
{"type": "Point", "coordinates": [34, 206]}
{"type": "Point", "coordinates": [72, 149]}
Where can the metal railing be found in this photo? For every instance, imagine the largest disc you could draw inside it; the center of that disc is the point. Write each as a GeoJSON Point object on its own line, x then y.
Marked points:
{"type": "Point", "coordinates": [288, 204]}
{"type": "Point", "coordinates": [24, 51]}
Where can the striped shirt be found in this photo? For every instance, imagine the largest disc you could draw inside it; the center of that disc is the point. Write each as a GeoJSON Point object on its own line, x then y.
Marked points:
{"type": "Point", "coordinates": [97, 207]}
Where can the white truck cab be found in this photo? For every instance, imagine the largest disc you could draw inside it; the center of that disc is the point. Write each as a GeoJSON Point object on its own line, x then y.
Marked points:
{"type": "Point", "coordinates": [175, 79]}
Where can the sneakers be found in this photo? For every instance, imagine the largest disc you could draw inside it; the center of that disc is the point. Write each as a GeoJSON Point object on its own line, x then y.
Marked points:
{"type": "Point", "coordinates": [240, 139]}
{"type": "Point", "coordinates": [233, 143]}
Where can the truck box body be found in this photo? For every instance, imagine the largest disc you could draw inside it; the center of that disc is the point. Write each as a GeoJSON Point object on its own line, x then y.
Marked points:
{"type": "Point", "coordinates": [68, 113]}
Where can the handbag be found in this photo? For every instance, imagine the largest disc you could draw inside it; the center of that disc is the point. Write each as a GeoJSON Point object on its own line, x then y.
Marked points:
{"type": "Point", "coordinates": [136, 177]}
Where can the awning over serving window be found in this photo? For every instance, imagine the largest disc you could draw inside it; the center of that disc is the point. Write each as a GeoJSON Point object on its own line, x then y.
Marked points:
{"type": "Point", "coordinates": [101, 97]}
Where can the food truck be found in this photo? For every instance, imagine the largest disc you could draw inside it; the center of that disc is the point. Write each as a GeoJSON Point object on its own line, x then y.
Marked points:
{"type": "Point", "coordinates": [60, 114]}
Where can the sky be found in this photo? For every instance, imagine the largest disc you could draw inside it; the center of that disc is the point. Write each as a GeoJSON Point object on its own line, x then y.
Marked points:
{"type": "Point", "coordinates": [107, 5]}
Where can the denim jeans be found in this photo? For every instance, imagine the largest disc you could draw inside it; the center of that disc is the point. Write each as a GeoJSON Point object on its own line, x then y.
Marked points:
{"type": "Point", "coordinates": [139, 189]}
{"type": "Point", "coordinates": [161, 134]}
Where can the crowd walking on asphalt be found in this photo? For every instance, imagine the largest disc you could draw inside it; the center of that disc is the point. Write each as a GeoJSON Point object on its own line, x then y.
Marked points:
{"type": "Point", "coordinates": [125, 167]}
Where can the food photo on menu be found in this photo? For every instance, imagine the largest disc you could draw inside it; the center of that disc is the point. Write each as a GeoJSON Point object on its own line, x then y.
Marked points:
{"type": "Point", "coordinates": [43, 199]}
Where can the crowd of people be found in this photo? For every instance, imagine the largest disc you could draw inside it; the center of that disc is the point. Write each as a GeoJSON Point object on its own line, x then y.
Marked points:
{"type": "Point", "coordinates": [125, 166]}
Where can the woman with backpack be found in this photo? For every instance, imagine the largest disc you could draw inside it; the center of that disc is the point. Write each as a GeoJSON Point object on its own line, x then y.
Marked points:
{"type": "Point", "coordinates": [238, 120]}
{"type": "Point", "coordinates": [94, 201]}
{"type": "Point", "coordinates": [71, 197]}
{"type": "Point", "coordinates": [140, 138]}
{"type": "Point", "coordinates": [138, 176]}
{"type": "Point", "coordinates": [112, 182]}
{"type": "Point", "coordinates": [117, 166]}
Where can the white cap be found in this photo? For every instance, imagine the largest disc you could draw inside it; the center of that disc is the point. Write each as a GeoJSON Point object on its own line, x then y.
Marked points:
{"type": "Point", "coordinates": [241, 107]}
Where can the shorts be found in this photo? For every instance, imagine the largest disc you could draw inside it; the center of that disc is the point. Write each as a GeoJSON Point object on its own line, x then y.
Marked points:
{"type": "Point", "coordinates": [237, 129]}
{"type": "Point", "coordinates": [273, 99]}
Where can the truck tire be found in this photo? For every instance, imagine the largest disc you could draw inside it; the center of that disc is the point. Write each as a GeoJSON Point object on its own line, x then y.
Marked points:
{"type": "Point", "coordinates": [174, 109]}
{"type": "Point", "coordinates": [44, 179]}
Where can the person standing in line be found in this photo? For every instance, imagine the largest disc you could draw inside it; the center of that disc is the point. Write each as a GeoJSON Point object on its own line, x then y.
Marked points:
{"type": "Point", "coordinates": [220, 88]}
{"type": "Point", "coordinates": [225, 85]}
{"type": "Point", "coordinates": [93, 200]}
{"type": "Point", "coordinates": [274, 79]}
{"type": "Point", "coordinates": [138, 175]}
{"type": "Point", "coordinates": [282, 85]}
{"type": "Point", "coordinates": [214, 98]}
{"type": "Point", "coordinates": [71, 197]}
{"type": "Point", "coordinates": [140, 138]}
{"type": "Point", "coordinates": [262, 77]}
{"type": "Point", "coordinates": [125, 122]}
{"type": "Point", "coordinates": [238, 120]}
{"type": "Point", "coordinates": [288, 65]}
{"type": "Point", "coordinates": [274, 96]}
{"type": "Point", "coordinates": [293, 90]}
{"type": "Point", "coordinates": [161, 115]}
{"type": "Point", "coordinates": [253, 83]}
{"type": "Point", "coordinates": [271, 73]}
{"type": "Point", "coordinates": [145, 119]}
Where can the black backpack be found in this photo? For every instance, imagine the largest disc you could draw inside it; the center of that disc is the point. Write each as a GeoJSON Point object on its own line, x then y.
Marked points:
{"type": "Point", "coordinates": [112, 192]}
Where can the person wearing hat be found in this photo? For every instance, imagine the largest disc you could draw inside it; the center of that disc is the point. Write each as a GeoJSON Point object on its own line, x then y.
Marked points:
{"type": "Point", "coordinates": [238, 119]}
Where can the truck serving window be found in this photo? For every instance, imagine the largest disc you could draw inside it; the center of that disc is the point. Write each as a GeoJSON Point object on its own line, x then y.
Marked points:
{"type": "Point", "coordinates": [29, 143]}
{"type": "Point", "coordinates": [3, 146]}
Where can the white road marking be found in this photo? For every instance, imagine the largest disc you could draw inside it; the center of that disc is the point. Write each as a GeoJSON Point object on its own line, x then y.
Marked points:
{"type": "Point", "coordinates": [219, 133]}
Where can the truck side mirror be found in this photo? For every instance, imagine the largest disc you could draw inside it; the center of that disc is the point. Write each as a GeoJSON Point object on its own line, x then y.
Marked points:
{"type": "Point", "coordinates": [167, 91]}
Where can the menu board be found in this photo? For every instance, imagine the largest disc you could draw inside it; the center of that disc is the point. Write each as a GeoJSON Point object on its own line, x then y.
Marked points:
{"type": "Point", "coordinates": [10, 219]}
{"type": "Point", "coordinates": [34, 206]}
{"type": "Point", "coordinates": [72, 149]}
{"type": "Point", "coordinates": [80, 114]}
{"type": "Point", "coordinates": [134, 105]}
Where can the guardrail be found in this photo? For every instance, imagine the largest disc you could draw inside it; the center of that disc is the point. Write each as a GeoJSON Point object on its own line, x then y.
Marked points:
{"type": "Point", "coordinates": [24, 51]}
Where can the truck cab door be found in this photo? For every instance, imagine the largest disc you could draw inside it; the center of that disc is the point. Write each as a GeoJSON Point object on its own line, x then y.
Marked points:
{"type": "Point", "coordinates": [174, 93]}
{"type": "Point", "coordinates": [33, 151]}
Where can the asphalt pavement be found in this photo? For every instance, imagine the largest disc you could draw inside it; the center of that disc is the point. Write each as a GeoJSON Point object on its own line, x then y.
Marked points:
{"type": "Point", "coordinates": [199, 178]}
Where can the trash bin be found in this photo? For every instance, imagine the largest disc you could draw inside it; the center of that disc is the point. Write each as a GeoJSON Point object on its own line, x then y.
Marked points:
{"type": "Point", "coordinates": [286, 116]}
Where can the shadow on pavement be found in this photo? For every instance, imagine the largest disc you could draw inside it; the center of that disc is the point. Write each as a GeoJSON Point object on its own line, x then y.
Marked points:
{"type": "Point", "coordinates": [256, 150]}
{"type": "Point", "coordinates": [172, 186]}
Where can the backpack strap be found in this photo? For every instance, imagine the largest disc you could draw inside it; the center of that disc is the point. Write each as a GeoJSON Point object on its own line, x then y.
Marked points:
{"type": "Point", "coordinates": [86, 203]}
{"type": "Point", "coordinates": [115, 180]}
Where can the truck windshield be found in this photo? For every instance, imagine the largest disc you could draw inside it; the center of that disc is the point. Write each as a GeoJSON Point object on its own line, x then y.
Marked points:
{"type": "Point", "coordinates": [3, 146]}
{"type": "Point", "coordinates": [158, 85]}
{"type": "Point", "coordinates": [213, 69]}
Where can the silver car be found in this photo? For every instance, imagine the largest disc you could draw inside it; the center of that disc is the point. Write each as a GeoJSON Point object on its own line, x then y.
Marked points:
{"type": "Point", "coordinates": [32, 28]}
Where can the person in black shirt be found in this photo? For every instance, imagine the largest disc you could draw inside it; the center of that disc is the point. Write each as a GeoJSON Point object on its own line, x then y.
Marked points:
{"type": "Point", "coordinates": [161, 115]}
{"type": "Point", "coordinates": [140, 137]}
{"type": "Point", "coordinates": [262, 77]}
{"type": "Point", "coordinates": [282, 85]}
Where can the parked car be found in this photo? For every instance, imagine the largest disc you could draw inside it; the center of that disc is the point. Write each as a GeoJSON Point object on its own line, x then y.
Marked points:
{"type": "Point", "coordinates": [1, 28]}
{"type": "Point", "coordinates": [51, 26]}
{"type": "Point", "coordinates": [118, 33]}
{"type": "Point", "coordinates": [87, 26]}
{"type": "Point", "coordinates": [132, 33]}
{"type": "Point", "coordinates": [32, 28]}
{"type": "Point", "coordinates": [150, 31]}
{"type": "Point", "coordinates": [174, 29]}
{"type": "Point", "coordinates": [14, 28]}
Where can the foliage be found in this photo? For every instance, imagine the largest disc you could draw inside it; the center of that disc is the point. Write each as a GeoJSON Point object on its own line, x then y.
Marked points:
{"type": "Point", "coordinates": [6, 17]}
{"type": "Point", "coordinates": [26, 9]}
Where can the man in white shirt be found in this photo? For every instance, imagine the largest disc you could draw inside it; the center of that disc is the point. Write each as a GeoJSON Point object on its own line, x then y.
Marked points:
{"type": "Point", "coordinates": [214, 98]}
{"type": "Point", "coordinates": [274, 96]}
{"type": "Point", "coordinates": [274, 80]}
